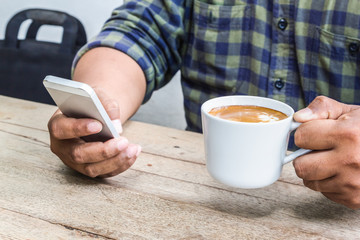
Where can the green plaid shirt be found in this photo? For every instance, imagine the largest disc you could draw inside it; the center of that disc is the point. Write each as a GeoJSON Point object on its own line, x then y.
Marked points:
{"type": "Point", "coordinates": [283, 49]}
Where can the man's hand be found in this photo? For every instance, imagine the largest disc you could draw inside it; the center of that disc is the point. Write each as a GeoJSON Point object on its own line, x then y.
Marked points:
{"type": "Point", "coordinates": [332, 130]}
{"type": "Point", "coordinates": [94, 159]}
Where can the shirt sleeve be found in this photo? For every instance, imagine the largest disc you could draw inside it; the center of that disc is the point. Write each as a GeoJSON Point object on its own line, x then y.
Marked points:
{"type": "Point", "coordinates": [150, 32]}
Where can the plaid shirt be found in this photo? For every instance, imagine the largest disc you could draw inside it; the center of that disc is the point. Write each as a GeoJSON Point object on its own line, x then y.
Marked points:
{"type": "Point", "coordinates": [288, 50]}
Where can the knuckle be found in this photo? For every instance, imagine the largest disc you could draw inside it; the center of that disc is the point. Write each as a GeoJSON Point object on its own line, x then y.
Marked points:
{"type": "Point", "coordinates": [351, 134]}
{"type": "Point", "coordinates": [76, 155]}
{"type": "Point", "coordinates": [353, 162]}
{"type": "Point", "coordinates": [50, 125]}
{"type": "Point", "coordinates": [351, 195]}
{"type": "Point", "coordinates": [128, 164]}
{"type": "Point", "coordinates": [322, 99]}
{"type": "Point", "coordinates": [324, 103]}
{"type": "Point", "coordinates": [78, 130]}
{"type": "Point", "coordinates": [353, 185]}
{"type": "Point", "coordinates": [54, 130]}
{"type": "Point", "coordinates": [90, 171]}
{"type": "Point", "coordinates": [105, 153]}
{"type": "Point", "coordinates": [299, 137]}
{"type": "Point", "coordinates": [119, 163]}
{"type": "Point", "coordinates": [354, 203]}
{"type": "Point", "coordinates": [345, 117]}
{"type": "Point", "coordinates": [299, 169]}
{"type": "Point", "coordinates": [351, 157]}
{"type": "Point", "coordinates": [122, 164]}
{"type": "Point", "coordinates": [111, 104]}
{"type": "Point", "coordinates": [313, 185]}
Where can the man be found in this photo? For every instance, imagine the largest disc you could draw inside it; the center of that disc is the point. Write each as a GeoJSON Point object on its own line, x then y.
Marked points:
{"type": "Point", "coordinates": [288, 50]}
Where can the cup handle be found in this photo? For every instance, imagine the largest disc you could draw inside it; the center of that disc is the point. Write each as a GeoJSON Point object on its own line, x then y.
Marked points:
{"type": "Point", "coordinates": [299, 152]}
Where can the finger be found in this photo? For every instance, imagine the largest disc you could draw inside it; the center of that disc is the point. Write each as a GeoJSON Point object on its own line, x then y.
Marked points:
{"type": "Point", "coordinates": [119, 163]}
{"type": "Point", "coordinates": [328, 185]}
{"type": "Point", "coordinates": [62, 127]}
{"type": "Point", "coordinates": [90, 152]}
{"type": "Point", "coordinates": [322, 108]}
{"type": "Point", "coordinates": [131, 162]}
{"type": "Point", "coordinates": [118, 125]}
{"type": "Point", "coordinates": [316, 166]}
{"type": "Point", "coordinates": [111, 106]}
{"type": "Point", "coordinates": [335, 197]}
{"type": "Point", "coordinates": [351, 201]}
{"type": "Point", "coordinates": [317, 135]}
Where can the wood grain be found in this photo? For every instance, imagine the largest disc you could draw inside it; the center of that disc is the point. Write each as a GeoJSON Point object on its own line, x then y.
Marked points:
{"type": "Point", "coordinates": [166, 194]}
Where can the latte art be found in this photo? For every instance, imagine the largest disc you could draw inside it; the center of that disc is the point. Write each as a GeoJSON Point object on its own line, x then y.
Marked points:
{"type": "Point", "coordinates": [248, 113]}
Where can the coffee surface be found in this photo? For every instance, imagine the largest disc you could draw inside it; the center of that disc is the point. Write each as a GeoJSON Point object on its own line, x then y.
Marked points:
{"type": "Point", "coordinates": [248, 113]}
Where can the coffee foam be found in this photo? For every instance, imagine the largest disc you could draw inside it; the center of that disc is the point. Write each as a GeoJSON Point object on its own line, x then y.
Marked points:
{"type": "Point", "coordinates": [248, 113]}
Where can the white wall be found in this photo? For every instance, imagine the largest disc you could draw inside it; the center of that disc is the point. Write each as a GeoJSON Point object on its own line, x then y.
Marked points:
{"type": "Point", "coordinates": [92, 13]}
{"type": "Point", "coordinates": [164, 108]}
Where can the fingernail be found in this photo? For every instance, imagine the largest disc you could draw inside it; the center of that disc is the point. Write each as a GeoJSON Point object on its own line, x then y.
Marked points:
{"type": "Point", "coordinates": [122, 143]}
{"type": "Point", "coordinates": [304, 114]}
{"type": "Point", "coordinates": [117, 125]}
{"type": "Point", "coordinates": [138, 151]}
{"type": "Point", "coordinates": [94, 127]}
{"type": "Point", "coordinates": [131, 151]}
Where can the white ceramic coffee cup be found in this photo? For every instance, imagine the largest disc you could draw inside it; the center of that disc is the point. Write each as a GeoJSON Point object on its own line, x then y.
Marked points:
{"type": "Point", "coordinates": [247, 155]}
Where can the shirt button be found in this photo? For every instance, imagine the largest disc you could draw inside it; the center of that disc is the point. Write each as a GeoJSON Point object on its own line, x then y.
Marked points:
{"type": "Point", "coordinates": [353, 48]}
{"type": "Point", "coordinates": [279, 84]}
{"type": "Point", "coordinates": [282, 24]}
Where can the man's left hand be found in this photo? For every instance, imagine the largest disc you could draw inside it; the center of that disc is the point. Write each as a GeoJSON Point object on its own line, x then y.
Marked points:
{"type": "Point", "coordinates": [332, 130]}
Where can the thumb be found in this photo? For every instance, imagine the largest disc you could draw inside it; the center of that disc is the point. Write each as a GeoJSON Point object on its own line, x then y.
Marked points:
{"type": "Point", "coordinates": [322, 108]}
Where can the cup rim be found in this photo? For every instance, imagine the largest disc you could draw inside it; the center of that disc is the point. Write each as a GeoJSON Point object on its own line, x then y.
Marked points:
{"type": "Point", "coordinates": [203, 111]}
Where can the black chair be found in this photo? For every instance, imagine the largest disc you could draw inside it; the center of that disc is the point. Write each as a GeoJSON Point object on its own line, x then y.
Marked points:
{"type": "Point", "coordinates": [25, 63]}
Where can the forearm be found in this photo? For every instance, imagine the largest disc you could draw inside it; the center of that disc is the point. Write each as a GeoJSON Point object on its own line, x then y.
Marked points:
{"type": "Point", "coordinates": [117, 74]}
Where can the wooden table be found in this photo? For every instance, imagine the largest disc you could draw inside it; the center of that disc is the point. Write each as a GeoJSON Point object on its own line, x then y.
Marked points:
{"type": "Point", "coordinates": [166, 194]}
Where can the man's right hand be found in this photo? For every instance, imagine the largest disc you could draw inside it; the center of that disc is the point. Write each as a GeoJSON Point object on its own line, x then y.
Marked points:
{"type": "Point", "coordinates": [94, 159]}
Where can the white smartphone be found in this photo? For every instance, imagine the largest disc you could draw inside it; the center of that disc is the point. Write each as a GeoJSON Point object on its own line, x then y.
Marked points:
{"type": "Point", "coordinates": [79, 100]}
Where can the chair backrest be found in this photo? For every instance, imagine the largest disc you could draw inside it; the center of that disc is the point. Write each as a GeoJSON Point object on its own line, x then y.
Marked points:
{"type": "Point", "coordinates": [25, 63]}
